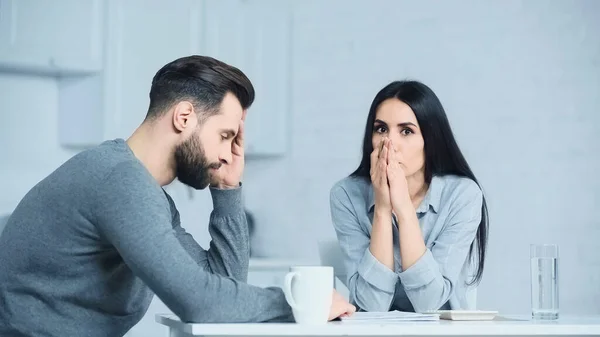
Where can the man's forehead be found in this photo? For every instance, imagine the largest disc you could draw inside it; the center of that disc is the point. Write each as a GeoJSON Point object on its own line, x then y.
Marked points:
{"type": "Point", "coordinates": [229, 117]}
{"type": "Point", "coordinates": [231, 107]}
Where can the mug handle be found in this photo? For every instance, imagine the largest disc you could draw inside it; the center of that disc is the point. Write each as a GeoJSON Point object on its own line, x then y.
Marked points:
{"type": "Point", "coordinates": [287, 289]}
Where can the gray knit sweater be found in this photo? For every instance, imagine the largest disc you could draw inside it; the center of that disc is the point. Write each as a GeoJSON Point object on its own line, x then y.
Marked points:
{"type": "Point", "coordinates": [88, 247]}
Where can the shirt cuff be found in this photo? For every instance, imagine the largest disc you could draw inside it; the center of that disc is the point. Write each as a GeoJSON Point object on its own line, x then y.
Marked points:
{"type": "Point", "coordinates": [421, 273]}
{"type": "Point", "coordinates": [376, 273]}
{"type": "Point", "coordinates": [227, 201]}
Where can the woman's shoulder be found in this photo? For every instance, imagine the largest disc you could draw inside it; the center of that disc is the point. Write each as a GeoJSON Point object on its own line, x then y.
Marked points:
{"type": "Point", "coordinates": [456, 187]}
{"type": "Point", "coordinates": [352, 187]}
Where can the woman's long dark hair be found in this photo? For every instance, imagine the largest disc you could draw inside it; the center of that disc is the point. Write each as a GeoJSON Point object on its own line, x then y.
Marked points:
{"type": "Point", "coordinates": [442, 154]}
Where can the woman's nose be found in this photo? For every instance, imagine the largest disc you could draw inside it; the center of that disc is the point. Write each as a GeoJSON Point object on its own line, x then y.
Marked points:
{"type": "Point", "coordinates": [396, 142]}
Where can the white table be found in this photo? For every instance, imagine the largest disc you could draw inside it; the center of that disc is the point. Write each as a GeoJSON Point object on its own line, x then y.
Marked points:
{"type": "Point", "coordinates": [566, 326]}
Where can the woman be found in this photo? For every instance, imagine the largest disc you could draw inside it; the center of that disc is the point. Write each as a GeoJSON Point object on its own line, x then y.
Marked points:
{"type": "Point", "coordinates": [412, 217]}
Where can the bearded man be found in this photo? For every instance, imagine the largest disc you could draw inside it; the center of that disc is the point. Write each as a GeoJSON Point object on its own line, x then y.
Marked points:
{"type": "Point", "coordinates": [87, 247]}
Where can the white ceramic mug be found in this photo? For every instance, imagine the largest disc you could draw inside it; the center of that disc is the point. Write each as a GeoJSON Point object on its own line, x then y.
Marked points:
{"type": "Point", "coordinates": [308, 290]}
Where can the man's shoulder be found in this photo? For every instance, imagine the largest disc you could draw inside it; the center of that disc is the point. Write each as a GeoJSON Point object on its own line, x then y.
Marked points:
{"type": "Point", "coordinates": [102, 167]}
{"type": "Point", "coordinates": [104, 157]}
{"type": "Point", "coordinates": [117, 167]}
{"type": "Point", "coordinates": [119, 178]}
{"type": "Point", "coordinates": [97, 163]}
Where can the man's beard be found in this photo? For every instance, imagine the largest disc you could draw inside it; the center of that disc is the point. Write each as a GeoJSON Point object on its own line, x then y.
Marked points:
{"type": "Point", "coordinates": [192, 167]}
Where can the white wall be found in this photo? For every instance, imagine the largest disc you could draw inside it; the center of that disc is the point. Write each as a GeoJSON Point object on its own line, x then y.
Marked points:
{"type": "Point", "coordinates": [519, 81]}
{"type": "Point", "coordinates": [29, 148]}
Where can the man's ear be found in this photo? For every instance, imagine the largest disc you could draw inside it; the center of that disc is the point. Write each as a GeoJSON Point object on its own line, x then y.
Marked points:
{"type": "Point", "coordinates": [184, 116]}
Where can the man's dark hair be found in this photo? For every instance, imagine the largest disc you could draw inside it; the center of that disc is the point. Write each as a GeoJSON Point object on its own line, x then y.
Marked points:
{"type": "Point", "coordinates": [203, 81]}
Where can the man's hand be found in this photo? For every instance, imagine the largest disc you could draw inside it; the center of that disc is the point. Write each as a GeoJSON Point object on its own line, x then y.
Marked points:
{"type": "Point", "coordinates": [230, 175]}
{"type": "Point", "coordinates": [340, 307]}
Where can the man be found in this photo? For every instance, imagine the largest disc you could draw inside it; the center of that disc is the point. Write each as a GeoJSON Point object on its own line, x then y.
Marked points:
{"type": "Point", "coordinates": [87, 247]}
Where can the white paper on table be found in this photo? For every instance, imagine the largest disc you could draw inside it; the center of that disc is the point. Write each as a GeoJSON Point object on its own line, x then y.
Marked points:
{"type": "Point", "coordinates": [388, 316]}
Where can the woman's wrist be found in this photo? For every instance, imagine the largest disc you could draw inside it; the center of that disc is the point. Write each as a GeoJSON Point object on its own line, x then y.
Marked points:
{"type": "Point", "coordinates": [382, 213]}
{"type": "Point", "coordinates": [404, 210]}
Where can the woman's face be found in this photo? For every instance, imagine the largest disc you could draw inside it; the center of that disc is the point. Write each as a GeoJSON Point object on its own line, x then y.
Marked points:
{"type": "Point", "coordinates": [395, 120]}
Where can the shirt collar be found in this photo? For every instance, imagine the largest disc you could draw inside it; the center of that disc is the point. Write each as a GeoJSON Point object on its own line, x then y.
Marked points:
{"type": "Point", "coordinates": [432, 197]}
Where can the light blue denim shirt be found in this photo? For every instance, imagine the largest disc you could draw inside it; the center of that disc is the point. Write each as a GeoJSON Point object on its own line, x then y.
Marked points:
{"type": "Point", "coordinates": [448, 216]}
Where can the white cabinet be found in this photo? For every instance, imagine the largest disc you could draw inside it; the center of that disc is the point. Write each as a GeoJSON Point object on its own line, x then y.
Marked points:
{"type": "Point", "coordinates": [51, 37]}
{"type": "Point", "coordinates": [141, 37]}
{"type": "Point", "coordinates": [255, 36]}
{"type": "Point", "coordinates": [104, 54]}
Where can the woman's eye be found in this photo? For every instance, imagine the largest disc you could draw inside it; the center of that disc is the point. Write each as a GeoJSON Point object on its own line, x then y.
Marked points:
{"type": "Point", "coordinates": [406, 132]}
{"type": "Point", "coordinates": [380, 129]}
